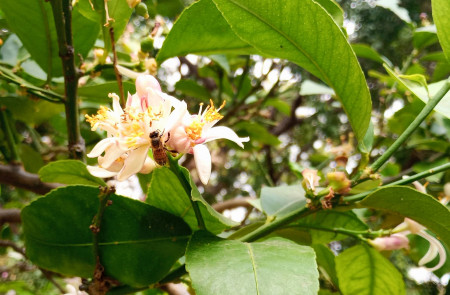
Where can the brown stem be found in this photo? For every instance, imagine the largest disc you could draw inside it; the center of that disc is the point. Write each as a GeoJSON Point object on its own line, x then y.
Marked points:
{"type": "Point", "coordinates": [15, 175]}
{"type": "Point", "coordinates": [232, 203]}
{"type": "Point", "coordinates": [116, 70]}
{"type": "Point", "coordinates": [9, 216]}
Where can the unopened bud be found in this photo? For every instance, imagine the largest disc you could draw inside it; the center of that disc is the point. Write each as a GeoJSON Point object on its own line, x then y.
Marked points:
{"type": "Point", "coordinates": [151, 65]}
{"type": "Point", "coordinates": [393, 242]}
{"type": "Point", "coordinates": [141, 9]}
{"type": "Point", "coordinates": [147, 45]}
{"type": "Point", "coordinates": [339, 182]}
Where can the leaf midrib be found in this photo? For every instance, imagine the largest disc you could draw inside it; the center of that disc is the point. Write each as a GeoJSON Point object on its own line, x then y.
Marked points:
{"type": "Point", "coordinates": [252, 258]}
{"type": "Point", "coordinates": [113, 243]}
{"type": "Point", "coordinates": [324, 76]}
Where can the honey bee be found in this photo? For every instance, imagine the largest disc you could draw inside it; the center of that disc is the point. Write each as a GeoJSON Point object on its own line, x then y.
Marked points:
{"type": "Point", "coordinates": [159, 152]}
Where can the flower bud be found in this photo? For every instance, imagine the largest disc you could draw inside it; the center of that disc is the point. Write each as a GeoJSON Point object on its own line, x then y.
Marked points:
{"type": "Point", "coordinates": [141, 9]}
{"type": "Point", "coordinates": [147, 44]}
{"type": "Point", "coordinates": [310, 179]}
{"type": "Point", "coordinates": [133, 3]}
{"type": "Point", "coordinates": [393, 242]}
{"type": "Point", "coordinates": [339, 182]}
{"type": "Point", "coordinates": [143, 82]}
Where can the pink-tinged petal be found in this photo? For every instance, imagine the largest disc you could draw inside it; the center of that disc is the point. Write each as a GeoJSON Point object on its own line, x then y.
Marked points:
{"type": "Point", "coordinates": [146, 81]}
{"type": "Point", "coordinates": [101, 146]}
{"type": "Point", "coordinates": [176, 117]}
{"type": "Point", "coordinates": [133, 163]}
{"type": "Point", "coordinates": [435, 249]}
{"type": "Point", "coordinates": [202, 159]}
{"type": "Point", "coordinates": [224, 132]}
{"type": "Point", "coordinates": [111, 154]}
{"type": "Point", "coordinates": [100, 172]}
{"type": "Point", "coordinates": [393, 242]}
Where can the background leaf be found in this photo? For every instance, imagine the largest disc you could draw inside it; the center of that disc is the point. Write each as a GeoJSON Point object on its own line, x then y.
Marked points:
{"type": "Point", "coordinates": [410, 203]}
{"type": "Point", "coordinates": [441, 11]}
{"type": "Point", "coordinates": [316, 43]}
{"type": "Point", "coordinates": [68, 172]}
{"type": "Point", "coordinates": [277, 201]}
{"type": "Point", "coordinates": [201, 29]}
{"type": "Point", "coordinates": [138, 243]}
{"type": "Point", "coordinates": [166, 192]}
{"type": "Point", "coordinates": [362, 270]}
{"type": "Point", "coordinates": [232, 267]}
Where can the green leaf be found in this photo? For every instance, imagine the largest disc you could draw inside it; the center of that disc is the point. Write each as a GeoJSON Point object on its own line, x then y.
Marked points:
{"type": "Point", "coordinates": [423, 93]}
{"type": "Point", "coordinates": [424, 37]}
{"type": "Point", "coordinates": [309, 87]}
{"type": "Point", "coordinates": [138, 243]}
{"type": "Point", "coordinates": [441, 11]}
{"type": "Point", "coordinates": [365, 146]}
{"type": "Point", "coordinates": [32, 21]}
{"type": "Point", "coordinates": [304, 33]}
{"type": "Point", "coordinates": [258, 133]}
{"type": "Point", "coordinates": [330, 220]}
{"type": "Point", "coordinates": [231, 267]}
{"type": "Point", "coordinates": [333, 8]}
{"type": "Point", "coordinates": [277, 201]}
{"type": "Point", "coordinates": [193, 89]}
{"type": "Point", "coordinates": [365, 186]}
{"type": "Point", "coordinates": [99, 92]}
{"type": "Point", "coordinates": [201, 29]}
{"type": "Point", "coordinates": [362, 270]}
{"type": "Point", "coordinates": [31, 159]}
{"type": "Point", "coordinates": [326, 261]}
{"type": "Point", "coordinates": [166, 192]}
{"type": "Point", "coordinates": [410, 203]}
{"type": "Point", "coordinates": [393, 5]}
{"type": "Point", "coordinates": [365, 51]}
{"type": "Point", "coordinates": [68, 172]}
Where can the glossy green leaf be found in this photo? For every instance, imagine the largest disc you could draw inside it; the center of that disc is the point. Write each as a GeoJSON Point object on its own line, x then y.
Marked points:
{"type": "Point", "coordinates": [304, 33]}
{"type": "Point", "coordinates": [138, 243]}
{"type": "Point", "coordinates": [32, 21]}
{"type": "Point", "coordinates": [218, 266]}
{"type": "Point", "coordinates": [424, 94]}
{"type": "Point", "coordinates": [365, 186]}
{"type": "Point", "coordinates": [322, 223]}
{"type": "Point", "coordinates": [333, 8]}
{"type": "Point", "coordinates": [365, 51]}
{"type": "Point", "coordinates": [68, 172]}
{"type": "Point", "coordinates": [279, 200]}
{"type": "Point", "coordinates": [326, 262]}
{"type": "Point", "coordinates": [410, 203]}
{"type": "Point", "coordinates": [201, 29]}
{"type": "Point", "coordinates": [166, 192]}
{"type": "Point", "coordinates": [365, 146]}
{"type": "Point", "coordinates": [441, 11]}
{"type": "Point", "coordinates": [424, 37]}
{"type": "Point", "coordinates": [362, 270]}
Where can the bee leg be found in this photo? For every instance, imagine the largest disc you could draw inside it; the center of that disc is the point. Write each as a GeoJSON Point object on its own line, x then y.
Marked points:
{"type": "Point", "coordinates": [168, 137]}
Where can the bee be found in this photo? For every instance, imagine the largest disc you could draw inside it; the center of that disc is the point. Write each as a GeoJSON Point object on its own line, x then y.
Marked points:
{"type": "Point", "coordinates": [159, 152]}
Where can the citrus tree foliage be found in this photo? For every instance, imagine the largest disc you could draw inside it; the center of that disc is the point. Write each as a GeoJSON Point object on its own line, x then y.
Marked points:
{"type": "Point", "coordinates": [132, 133]}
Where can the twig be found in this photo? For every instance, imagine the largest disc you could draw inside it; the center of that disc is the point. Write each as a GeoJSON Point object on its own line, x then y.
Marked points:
{"type": "Point", "coordinates": [8, 133]}
{"type": "Point", "coordinates": [232, 203]}
{"type": "Point", "coordinates": [62, 14]}
{"type": "Point", "coordinates": [15, 175]}
{"type": "Point", "coordinates": [9, 216]}
{"type": "Point", "coordinates": [116, 70]}
{"type": "Point", "coordinates": [6, 243]}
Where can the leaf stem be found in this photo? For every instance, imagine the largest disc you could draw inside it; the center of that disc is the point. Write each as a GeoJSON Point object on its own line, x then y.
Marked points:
{"type": "Point", "coordinates": [359, 234]}
{"type": "Point", "coordinates": [7, 131]}
{"type": "Point", "coordinates": [422, 115]}
{"type": "Point", "coordinates": [62, 14]}
{"type": "Point", "coordinates": [277, 223]}
{"type": "Point", "coordinates": [410, 179]}
{"type": "Point", "coordinates": [176, 169]}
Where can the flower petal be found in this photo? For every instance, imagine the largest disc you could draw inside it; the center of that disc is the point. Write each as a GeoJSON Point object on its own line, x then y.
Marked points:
{"type": "Point", "coordinates": [143, 82]}
{"type": "Point", "coordinates": [224, 132]}
{"type": "Point", "coordinates": [111, 154]}
{"type": "Point", "coordinates": [101, 146]}
{"type": "Point", "coordinates": [435, 248]}
{"type": "Point", "coordinates": [202, 159]}
{"type": "Point", "coordinates": [176, 117]}
{"type": "Point", "coordinates": [100, 172]}
{"type": "Point", "coordinates": [133, 163]}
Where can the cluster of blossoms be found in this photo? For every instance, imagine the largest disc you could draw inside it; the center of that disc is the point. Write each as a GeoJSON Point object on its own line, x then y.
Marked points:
{"type": "Point", "coordinates": [150, 111]}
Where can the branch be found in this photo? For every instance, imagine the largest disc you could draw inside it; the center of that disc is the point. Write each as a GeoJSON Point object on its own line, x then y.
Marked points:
{"type": "Point", "coordinates": [291, 121]}
{"type": "Point", "coordinates": [9, 216]}
{"type": "Point", "coordinates": [232, 203]}
{"type": "Point", "coordinates": [62, 14]}
{"type": "Point", "coordinates": [15, 175]}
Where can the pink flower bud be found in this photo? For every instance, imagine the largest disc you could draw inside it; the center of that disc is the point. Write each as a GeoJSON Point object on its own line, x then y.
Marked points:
{"type": "Point", "coordinates": [393, 242]}
{"type": "Point", "coordinates": [143, 82]}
